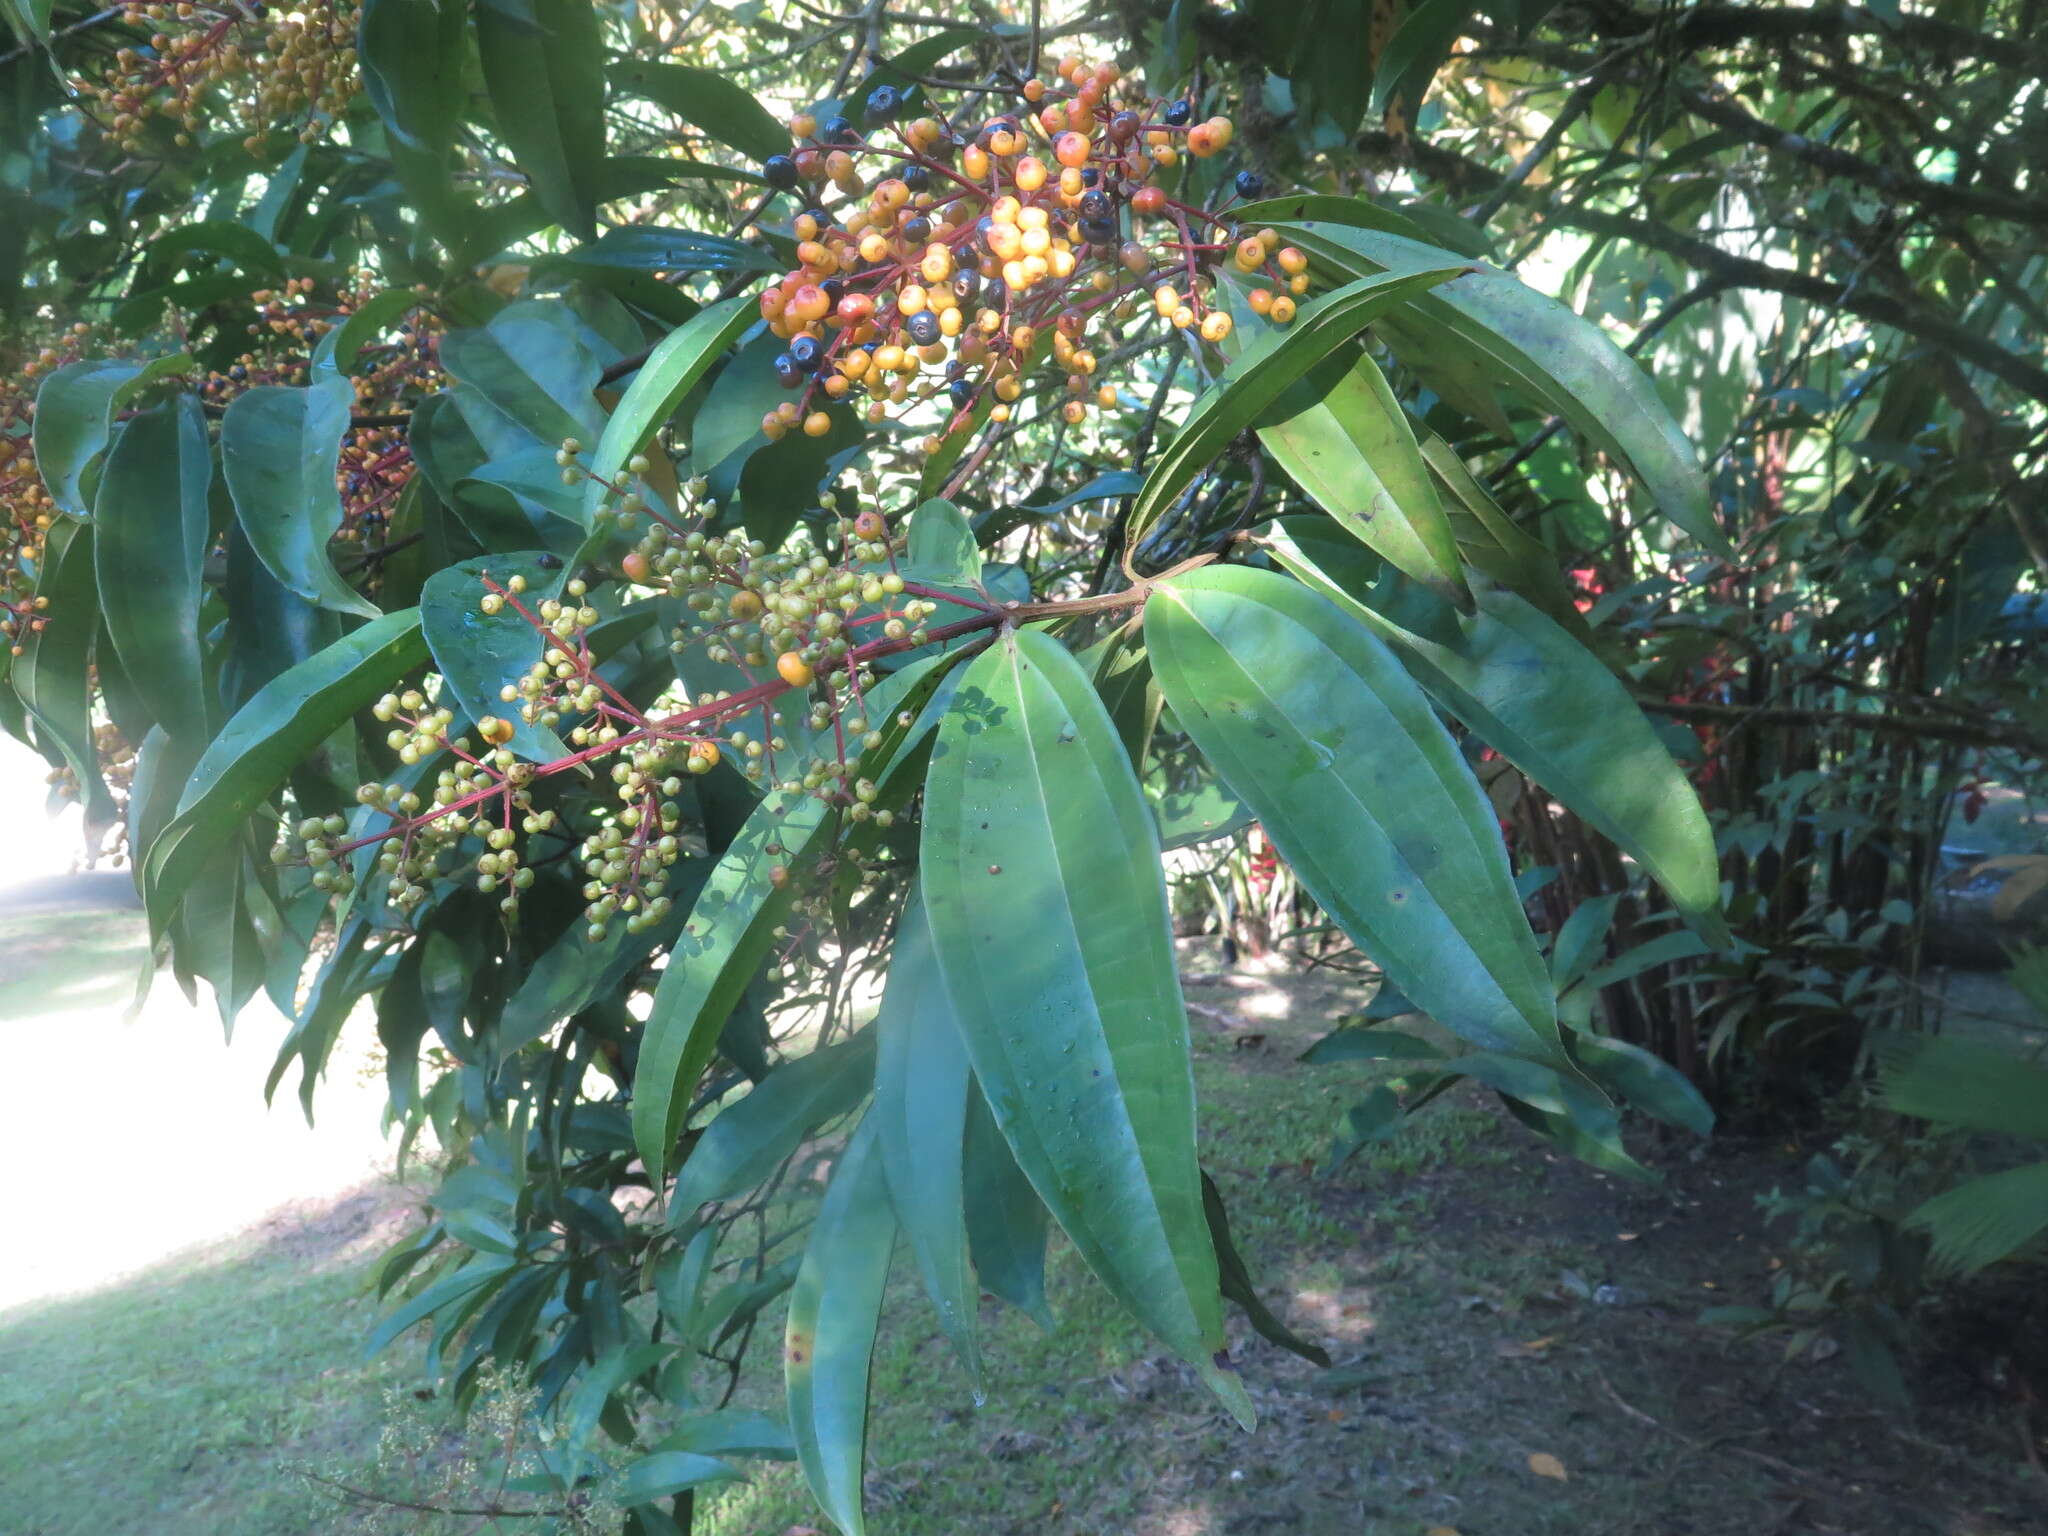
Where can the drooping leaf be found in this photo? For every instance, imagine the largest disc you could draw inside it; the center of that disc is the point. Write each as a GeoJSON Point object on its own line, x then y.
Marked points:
{"type": "Point", "coordinates": [731, 927]}
{"type": "Point", "coordinates": [1261, 374]}
{"type": "Point", "coordinates": [150, 535]}
{"type": "Point", "coordinates": [708, 99]}
{"type": "Point", "coordinates": [279, 450]}
{"type": "Point", "coordinates": [543, 63]}
{"type": "Point", "coordinates": [834, 1309]}
{"type": "Point", "coordinates": [746, 1141]}
{"type": "Point", "coordinates": [536, 369]}
{"type": "Point", "coordinates": [663, 1474]}
{"type": "Point", "coordinates": [1415, 50]}
{"type": "Point", "coordinates": [920, 1115]}
{"type": "Point", "coordinates": [1049, 923]}
{"type": "Point", "coordinates": [75, 409]}
{"type": "Point", "coordinates": [258, 748]}
{"type": "Point", "coordinates": [1341, 436]}
{"type": "Point", "coordinates": [1007, 1224]}
{"type": "Point", "coordinates": [52, 675]}
{"type": "Point", "coordinates": [411, 60]}
{"type": "Point", "coordinates": [1549, 706]}
{"type": "Point", "coordinates": [1645, 1081]}
{"type": "Point", "coordinates": [1545, 353]}
{"type": "Point", "coordinates": [1361, 788]}
{"type": "Point", "coordinates": [650, 248]}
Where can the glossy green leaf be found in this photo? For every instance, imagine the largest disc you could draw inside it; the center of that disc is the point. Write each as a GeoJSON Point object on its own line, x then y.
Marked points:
{"type": "Point", "coordinates": [748, 1140]}
{"type": "Point", "coordinates": [731, 929]}
{"type": "Point", "coordinates": [1202, 813]}
{"type": "Point", "coordinates": [279, 450]}
{"type": "Point", "coordinates": [1645, 1081]}
{"type": "Point", "coordinates": [52, 674]}
{"type": "Point", "coordinates": [834, 1309]}
{"type": "Point", "coordinates": [732, 1432]}
{"type": "Point", "coordinates": [1049, 922]}
{"type": "Point", "coordinates": [151, 531]}
{"type": "Point", "coordinates": [270, 735]}
{"type": "Point", "coordinates": [663, 1474]}
{"type": "Point", "coordinates": [1417, 47]}
{"type": "Point", "coordinates": [479, 653]}
{"type": "Point", "coordinates": [534, 366]}
{"type": "Point", "coordinates": [652, 248]}
{"type": "Point", "coordinates": [1547, 354]}
{"type": "Point", "coordinates": [1345, 440]}
{"type": "Point", "coordinates": [1549, 706]}
{"type": "Point", "coordinates": [543, 63]}
{"type": "Point", "coordinates": [942, 547]}
{"type": "Point", "coordinates": [1313, 721]}
{"type": "Point", "coordinates": [1260, 375]}
{"type": "Point", "coordinates": [671, 371]}
{"type": "Point", "coordinates": [920, 1114]}
{"type": "Point", "coordinates": [74, 417]}
{"type": "Point", "coordinates": [339, 350]}
{"type": "Point", "coordinates": [411, 60]}
{"type": "Point", "coordinates": [1007, 1224]}
{"type": "Point", "coordinates": [707, 99]}
{"type": "Point", "coordinates": [1352, 1044]}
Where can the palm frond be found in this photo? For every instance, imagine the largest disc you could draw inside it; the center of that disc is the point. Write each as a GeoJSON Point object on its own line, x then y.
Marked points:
{"type": "Point", "coordinates": [1962, 1083]}
{"type": "Point", "coordinates": [1987, 1219]}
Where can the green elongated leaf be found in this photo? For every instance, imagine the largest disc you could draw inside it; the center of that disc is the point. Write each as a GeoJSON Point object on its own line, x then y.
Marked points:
{"type": "Point", "coordinates": [1123, 677]}
{"type": "Point", "coordinates": [480, 653]}
{"type": "Point", "coordinates": [1344, 439]}
{"type": "Point", "coordinates": [279, 450]}
{"type": "Point", "coordinates": [1646, 1081]}
{"type": "Point", "coordinates": [746, 1142]}
{"type": "Point", "coordinates": [1499, 547]}
{"type": "Point", "coordinates": [1374, 1118]}
{"type": "Point", "coordinates": [1049, 923]}
{"type": "Point", "coordinates": [1417, 47]}
{"type": "Point", "coordinates": [1315, 724]}
{"type": "Point", "coordinates": [535, 368]}
{"type": "Point", "coordinates": [920, 1112]}
{"type": "Point", "coordinates": [834, 1309]}
{"type": "Point", "coordinates": [1545, 353]}
{"type": "Point", "coordinates": [411, 60]}
{"type": "Point", "coordinates": [1549, 706]}
{"type": "Point", "coordinates": [1007, 1224]}
{"type": "Point", "coordinates": [257, 749]}
{"type": "Point", "coordinates": [650, 248]}
{"type": "Point", "coordinates": [245, 247]}
{"type": "Point", "coordinates": [671, 371]}
{"type": "Point", "coordinates": [1646, 956]}
{"type": "Point", "coordinates": [1204, 814]}
{"type": "Point", "coordinates": [456, 1286]}
{"type": "Point", "coordinates": [1581, 941]}
{"type": "Point", "coordinates": [663, 1474]}
{"type": "Point", "coordinates": [732, 1432]}
{"type": "Point", "coordinates": [1350, 1044]}
{"type": "Point", "coordinates": [1984, 1220]}
{"type": "Point", "coordinates": [52, 675]}
{"type": "Point", "coordinates": [270, 627]}
{"type": "Point", "coordinates": [543, 65]}
{"type": "Point", "coordinates": [731, 928]}
{"type": "Point", "coordinates": [1238, 1287]}
{"type": "Point", "coordinates": [708, 100]}
{"type": "Point", "coordinates": [75, 409]}
{"type": "Point", "coordinates": [151, 530]}
{"type": "Point", "coordinates": [340, 347]}
{"type": "Point", "coordinates": [1261, 374]}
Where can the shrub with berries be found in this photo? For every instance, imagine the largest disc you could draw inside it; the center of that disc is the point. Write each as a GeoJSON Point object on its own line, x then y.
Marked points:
{"type": "Point", "coordinates": [709, 648]}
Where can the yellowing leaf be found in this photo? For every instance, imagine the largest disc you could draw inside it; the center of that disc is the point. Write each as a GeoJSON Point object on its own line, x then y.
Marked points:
{"type": "Point", "coordinates": [1543, 1464]}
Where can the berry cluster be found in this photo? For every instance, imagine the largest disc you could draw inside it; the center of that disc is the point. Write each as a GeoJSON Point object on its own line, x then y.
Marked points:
{"type": "Point", "coordinates": [982, 252]}
{"type": "Point", "coordinates": [29, 510]}
{"type": "Point", "coordinates": [262, 65]}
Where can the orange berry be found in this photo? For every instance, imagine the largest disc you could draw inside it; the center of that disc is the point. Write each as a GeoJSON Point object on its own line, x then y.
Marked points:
{"type": "Point", "coordinates": [817, 424]}
{"type": "Point", "coordinates": [1030, 174]}
{"type": "Point", "coordinates": [1251, 255]}
{"type": "Point", "coordinates": [1215, 325]}
{"type": "Point", "coordinates": [1071, 149]}
{"type": "Point", "coordinates": [1202, 141]}
{"type": "Point", "coordinates": [793, 669]}
{"type": "Point", "coordinates": [636, 567]}
{"type": "Point", "coordinates": [1261, 300]}
{"type": "Point", "coordinates": [1149, 200]}
{"type": "Point", "coordinates": [1290, 260]}
{"type": "Point", "coordinates": [803, 125]}
{"type": "Point", "coordinates": [1282, 311]}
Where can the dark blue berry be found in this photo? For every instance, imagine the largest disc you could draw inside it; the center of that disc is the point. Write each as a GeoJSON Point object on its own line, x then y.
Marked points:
{"type": "Point", "coordinates": [1097, 204]}
{"type": "Point", "coordinates": [915, 177]}
{"type": "Point", "coordinates": [962, 391]}
{"type": "Point", "coordinates": [780, 171]}
{"type": "Point", "coordinates": [805, 352]}
{"type": "Point", "coordinates": [884, 102]}
{"type": "Point", "coordinates": [1178, 113]}
{"type": "Point", "coordinates": [917, 229]}
{"type": "Point", "coordinates": [1250, 184]}
{"type": "Point", "coordinates": [966, 285]}
{"type": "Point", "coordinates": [1099, 231]}
{"type": "Point", "coordinates": [923, 327]}
{"type": "Point", "coordinates": [1091, 176]}
{"type": "Point", "coordinates": [839, 130]}
{"type": "Point", "coordinates": [787, 374]}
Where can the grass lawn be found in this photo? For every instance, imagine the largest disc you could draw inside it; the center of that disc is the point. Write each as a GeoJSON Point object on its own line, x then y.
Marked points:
{"type": "Point", "coordinates": [1452, 1275]}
